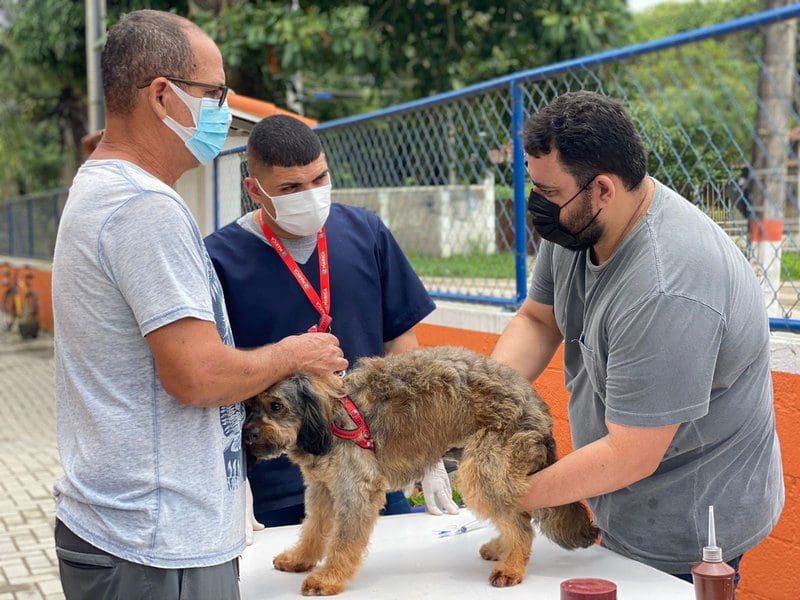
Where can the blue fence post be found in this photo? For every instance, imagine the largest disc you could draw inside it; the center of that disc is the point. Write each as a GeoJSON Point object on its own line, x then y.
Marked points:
{"type": "Point", "coordinates": [215, 176]}
{"type": "Point", "coordinates": [56, 211]}
{"type": "Point", "coordinates": [520, 229]}
{"type": "Point", "coordinates": [10, 212]}
{"type": "Point", "coordinates": [30, 227]}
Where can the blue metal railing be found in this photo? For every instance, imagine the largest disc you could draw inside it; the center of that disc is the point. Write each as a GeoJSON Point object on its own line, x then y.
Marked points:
{"type": "Point", "coordinates": [28, 224]}
{"type": "Point", "coordinates": [442, 141]}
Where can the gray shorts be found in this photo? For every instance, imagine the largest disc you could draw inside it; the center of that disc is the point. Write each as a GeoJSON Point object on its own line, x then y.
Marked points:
{"type": "Point", "coordinates": [88, 573]}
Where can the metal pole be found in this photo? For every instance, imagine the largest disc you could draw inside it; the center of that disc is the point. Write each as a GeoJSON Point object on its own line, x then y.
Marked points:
{"type": "Point", "coordinates": [776, 90]}
{"type": "Point", "coordinates": [216, 193]}
{"type": "Point", "coordinates": [10, 217]}
{"type": "Point", "coordinates": [95, 35]}
{"type": "Point", "coordinates": [294, 91]}
{"type": "Point", "coordinates": [31, 244]}
{"type": "Point", "coordinates": [520, 227]}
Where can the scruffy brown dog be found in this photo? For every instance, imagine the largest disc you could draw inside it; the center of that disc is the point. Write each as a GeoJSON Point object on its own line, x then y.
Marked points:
{"type": "Point", "coordinates": [418, 405]}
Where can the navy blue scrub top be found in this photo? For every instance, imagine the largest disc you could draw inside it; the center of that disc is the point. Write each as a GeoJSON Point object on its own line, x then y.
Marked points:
{"type": "Point", "coordinates": [375, 297]}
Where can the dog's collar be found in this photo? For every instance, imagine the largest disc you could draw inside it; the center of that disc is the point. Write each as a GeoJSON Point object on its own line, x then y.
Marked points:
{"type": "Point", "coordinates": [361, 434]}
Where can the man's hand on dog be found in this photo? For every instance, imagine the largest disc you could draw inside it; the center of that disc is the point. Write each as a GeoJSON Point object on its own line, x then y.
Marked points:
{"type": "Point", "coordinates": [316, 353]}
{"type": "Point", "coordinates": [437, 491]}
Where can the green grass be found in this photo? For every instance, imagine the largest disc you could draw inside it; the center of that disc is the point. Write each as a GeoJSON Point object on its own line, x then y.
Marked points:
{"type": "Point", "coordinates": [419, 499]}
{"type": "Point", "coordinates": [501, 266]}
{"type": "Point", "coordinates": [791, 266]}
{"type": "Point", "coordinates": [483, 266]}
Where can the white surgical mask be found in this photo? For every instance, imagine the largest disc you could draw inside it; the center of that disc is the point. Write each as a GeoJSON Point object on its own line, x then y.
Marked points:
{"type": "Point", "coordinates": [301, 213]}
{"type": "Point", "coordinates": [206, 138]}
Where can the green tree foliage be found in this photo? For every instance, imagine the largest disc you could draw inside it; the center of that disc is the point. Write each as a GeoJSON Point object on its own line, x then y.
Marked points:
{"type": "Point", "coordinates": [368, 54]}
{"type": "Point", "coordinates": [43, 114]}
{"type": "Point", "coordinates": [669, 18]}
{"type": "Point", "coordinates": [265, 43]}
{"type": "Point", "coordinates": [375, 52]}
{"type": "Point", "coordinates": [696, 104]}
{"type": "Point", "coordinates": [446, 44]}
{"type": "Point", "coordinates": [43, 83]}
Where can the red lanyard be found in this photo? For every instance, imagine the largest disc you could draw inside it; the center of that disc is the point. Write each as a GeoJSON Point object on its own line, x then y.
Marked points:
{"type": "Point", "coordinates": [323, 305]}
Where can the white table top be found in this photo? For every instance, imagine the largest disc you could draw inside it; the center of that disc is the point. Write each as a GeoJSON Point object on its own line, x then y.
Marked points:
{"type": "Point", "coordinates": [407, 560]}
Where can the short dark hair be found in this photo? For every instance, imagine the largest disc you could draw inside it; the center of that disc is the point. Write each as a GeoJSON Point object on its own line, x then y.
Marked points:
{"type": "Point", "coordinates": [143, 45]}
{"type": "Point", "coordinates": [592, 134]}
{"type": "Point", "coordinates": [283, 141]}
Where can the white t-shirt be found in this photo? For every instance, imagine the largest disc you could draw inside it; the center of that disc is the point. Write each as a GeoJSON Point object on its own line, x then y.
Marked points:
{"type": "Point", "coordinates": [146, 478]}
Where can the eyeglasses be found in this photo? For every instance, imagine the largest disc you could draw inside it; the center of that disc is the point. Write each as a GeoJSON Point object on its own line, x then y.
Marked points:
{"type": "Point", "coordinates": [222, 90]}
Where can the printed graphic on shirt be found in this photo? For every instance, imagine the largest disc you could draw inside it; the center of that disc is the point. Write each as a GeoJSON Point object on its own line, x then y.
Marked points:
{"type": "Point", "coordinates": [231, 417]}
{"type": "Point", "coordinates": [218, 302]}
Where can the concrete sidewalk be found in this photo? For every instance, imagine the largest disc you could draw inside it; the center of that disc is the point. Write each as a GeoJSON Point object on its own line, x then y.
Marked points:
{"type": "Point", "coordinates": [29, 466]}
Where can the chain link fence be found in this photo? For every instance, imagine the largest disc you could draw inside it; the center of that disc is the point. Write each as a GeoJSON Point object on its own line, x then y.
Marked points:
{"type": "Point", "coordinates": [28, 224]}
{"type": "Point", "coordinates": [446, 173]}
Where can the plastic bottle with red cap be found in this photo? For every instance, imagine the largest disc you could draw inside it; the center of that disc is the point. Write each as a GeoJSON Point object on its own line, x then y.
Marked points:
{"type": "Point", "coordinates": [713, 578]}
{"type": "Point", "coordinates": [588, 589]}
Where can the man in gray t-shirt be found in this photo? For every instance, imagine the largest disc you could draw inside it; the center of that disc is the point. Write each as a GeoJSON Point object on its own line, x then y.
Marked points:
{"type": "Point", "coordinates": [666, 347]}
{"type": "Point", "coordinates": [148, 387]}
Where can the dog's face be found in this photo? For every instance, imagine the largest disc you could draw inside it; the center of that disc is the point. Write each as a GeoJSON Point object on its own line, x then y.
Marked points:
{"type": "Point", "coordinates": [292, 413]}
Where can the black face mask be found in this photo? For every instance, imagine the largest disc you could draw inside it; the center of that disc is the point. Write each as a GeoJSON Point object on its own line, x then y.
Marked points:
{"type": "Point", "coordinates": [546, 215]}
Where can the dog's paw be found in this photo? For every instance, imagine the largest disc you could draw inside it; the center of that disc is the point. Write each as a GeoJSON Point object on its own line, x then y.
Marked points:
{"type": "Point", "coordinates": [316, 585]}
{"type": "Point", "coordinates": [288, 561]}
{"type": "Point", "coordinates": [504, 577]}
{"type": "Point", "coordinates": [492, 550]}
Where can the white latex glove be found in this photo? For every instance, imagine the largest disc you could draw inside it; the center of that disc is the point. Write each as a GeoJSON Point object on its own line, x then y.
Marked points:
{"type": "Point", "coordinates": [250, 523]}
{"type": "Point", "coordinates": [437, 491]}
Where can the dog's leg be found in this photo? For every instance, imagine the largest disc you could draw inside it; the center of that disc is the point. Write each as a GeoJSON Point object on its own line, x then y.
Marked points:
{"type": "Point", "coordinates": [493, 549]}
{"type": "Point", "coordinates": [356, 506]}
{"type": "Point", "coordinates": [516, 538]}
{"type": "Point", "coordinates": [314, 533]}
{"type": "Point", "coordinates": [492, 476]}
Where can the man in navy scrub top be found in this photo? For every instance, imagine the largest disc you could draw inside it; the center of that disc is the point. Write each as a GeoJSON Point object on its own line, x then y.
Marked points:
{"type": "Point", "coordinates": [368, 296]}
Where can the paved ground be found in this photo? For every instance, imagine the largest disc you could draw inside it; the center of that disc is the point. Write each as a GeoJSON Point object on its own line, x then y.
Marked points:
{"type": "Point", "coordinates": [28, 467]}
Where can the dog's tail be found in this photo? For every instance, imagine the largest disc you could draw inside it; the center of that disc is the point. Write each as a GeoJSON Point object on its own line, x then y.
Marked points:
{"type": "Point", "coordinates": [569, 526]}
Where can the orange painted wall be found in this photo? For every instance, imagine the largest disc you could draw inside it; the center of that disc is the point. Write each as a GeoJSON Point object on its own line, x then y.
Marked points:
{"type": "Point", "coordinates": [771, 571]}
{"type": "Point", "coordinates": [41, 284]}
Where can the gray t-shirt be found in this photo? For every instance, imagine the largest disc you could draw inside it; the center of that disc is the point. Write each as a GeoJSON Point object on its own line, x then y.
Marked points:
{"type": "Point", "coordinates": [300, 249]}
{"type": "Point", "coordinates": [146, 478]}
{"type": "Point", "coordinates": [672, 329]}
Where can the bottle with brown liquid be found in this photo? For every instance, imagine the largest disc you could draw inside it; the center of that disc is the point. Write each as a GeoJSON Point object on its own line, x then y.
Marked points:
{"type": "Point", "coordinates": [713, 578]}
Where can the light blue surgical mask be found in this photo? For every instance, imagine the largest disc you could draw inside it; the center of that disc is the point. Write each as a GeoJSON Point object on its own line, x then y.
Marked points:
{"type": "Point", "coordinates": [206, 138]}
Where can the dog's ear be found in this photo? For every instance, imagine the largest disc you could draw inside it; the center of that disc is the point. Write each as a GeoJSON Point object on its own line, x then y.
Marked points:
{"type": "Point", "coordinates": [315, 435]}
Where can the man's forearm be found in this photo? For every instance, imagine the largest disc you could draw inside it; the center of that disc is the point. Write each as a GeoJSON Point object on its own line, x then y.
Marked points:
{"type": "Point", "coordinates": [526, 346]}
{"type": "Point", "coordinates": [250, 372]}
{"type": "Point", "coordinates": [196, 368]}
{"type": "Point", "coordinates": [598, 468]}
{"type": "Point", "coordinates": [402, 343]}
{"type": "Point", "coordinates": [229, 375]}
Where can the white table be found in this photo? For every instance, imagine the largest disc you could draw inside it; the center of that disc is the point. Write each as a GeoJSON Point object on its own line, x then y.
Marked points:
{"type": "Point", "coordinates": [406, 560]}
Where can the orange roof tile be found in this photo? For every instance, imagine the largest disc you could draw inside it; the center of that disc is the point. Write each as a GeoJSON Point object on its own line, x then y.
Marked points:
{"type": "Point", "coordinates": [261, 109]}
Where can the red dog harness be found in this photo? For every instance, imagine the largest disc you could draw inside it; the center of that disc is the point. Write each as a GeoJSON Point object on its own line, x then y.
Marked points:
{"type": "Point", "coordinates": [361, 434]}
